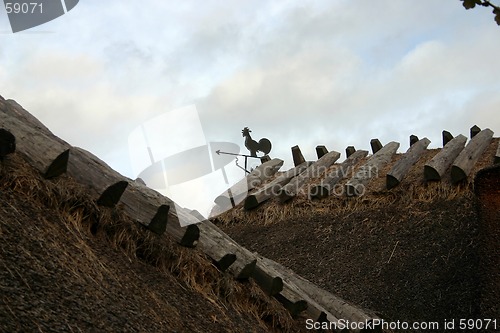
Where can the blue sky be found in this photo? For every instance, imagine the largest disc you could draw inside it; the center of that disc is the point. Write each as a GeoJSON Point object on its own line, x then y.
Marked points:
{"type": "Point", "coordinates": [333, 72]}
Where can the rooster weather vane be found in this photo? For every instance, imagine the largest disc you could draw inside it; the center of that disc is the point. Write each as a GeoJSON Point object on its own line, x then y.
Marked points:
{"type": "Point", "coordinates": [263, 146]}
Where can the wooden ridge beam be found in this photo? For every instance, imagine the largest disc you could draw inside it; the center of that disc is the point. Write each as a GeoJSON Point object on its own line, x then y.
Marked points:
{"type": "Point", "coordinates": [469, 156]}
{"type": "Point", "coordinates": [403, 166]}
{"type": "Point", "coordinates": [273, 188]}
{"type": "Point", "coordinates": [318, 168]}
{"type": "Point", "coordinates": [437, 166]}
{"type": "Point", "coordinates": [327, 185]}
{"type": "Point", "coordinates": [50, 156]}
{"type": "Point", "coordinates": [239, 191]}
{"type": "Point", "coordinates": [356, 185]}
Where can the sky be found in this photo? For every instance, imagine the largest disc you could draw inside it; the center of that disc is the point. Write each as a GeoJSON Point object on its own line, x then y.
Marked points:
{"type": "Point", "coordinates": [307, 73]}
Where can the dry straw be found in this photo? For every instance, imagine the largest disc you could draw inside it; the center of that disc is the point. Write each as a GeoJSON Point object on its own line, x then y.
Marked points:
{"type": "Point", "coordinates": [85, 220]}
{"type": "Point", "coordinates": [411, 193]}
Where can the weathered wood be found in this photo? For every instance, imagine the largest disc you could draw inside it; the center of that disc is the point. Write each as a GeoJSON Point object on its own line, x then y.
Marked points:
{"type": "Point", "coordinates": [447, 137]}
{"type": "Point", "coordinates": [272, 189]}
{"type": "Point", "coordinates": [265, 158]}
{"type": "Point", "coordinates": [349, 151]}
{"type": "Point", "coordinates": [7, 143]}
{"type": "Point", "coordinates": [225, 262]}
{"type": "Point", "coordinates": [290, 302]}
{"type": "Point", "coordinates": [318, 168]}
{"type": "Point", "coordinates": [293, 297]}
{"type": "Point", "coordinates": [497, 155]}
{"type": "Point", "coordinates": [271, 285]}
{"type": "Point", "coordinates": [297, 156]}
{"type": "Point", "coordinates": [413, 139]}
{"type": "Point", "coordinates": [239, 191]}
{"type": "Point", "coordinates": [111, 195]}
{"type": "Point", "coordinates": [34, 142]}
{"type": "Point", "coordinates": [356, 185]}
{"type": "Point", "coordinates": [320, 302]}
{"type": "Point", "coordinates": [435, 168]}
{"type": "Point", "coordinates": [469, 156]}
{"type": "Point", "coordinates": [320, 151]}
{"type": "Point", "coordinates": [401, 167]}
{"type": "Point", "coordinates": [39, 147]}
{"type": "Point", "coordinates": [376, 145]}
{"type": "Point", "coordinates": [474, 130]}
{"type": "Point", "coordinates": [327, 185]}
{"type": "Point", "coordinates": [158, 223]}
{"type": "Point", "coordinates": [218, 245]}
{"type": "Point", "coordinates": [212, 246]}
{"type": "Point", "coordinates": [58, 166]}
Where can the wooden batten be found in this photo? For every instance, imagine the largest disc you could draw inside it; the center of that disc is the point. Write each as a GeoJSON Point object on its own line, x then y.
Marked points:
{"type": "Point", "coordinates": [349, 151]}
{"type": "Point", "coordinates": [112, 194]}
{"type": "Point", "coordinates": [356, 185]}
{"type": "Point", "coordinates": [474, 130]}
{"type": "Point", "coordinates": [447, 137]}
{"type": "Point", "coordinates": [435, 168]}
{"type": "Point", "coordinates": [469, 156]}
{"type": "Point", "coordinates": [297, 156]}
{"type": "Point", "coordinates": [158, 223]}
{"type": "Point", "coordinates": [58, 166]}
{"type": "Point", "coordinates": [320, 151]}
{"type": "Point", "coordinates": [413, 139]}
{"type": "Point", "coordinates": [270, 284]}
{"type": "Point", "coordinates": [403, 166]}
{"type": "Point", "coordinates": [376, 145]}
{"type": "Point", "coordinates": [217, 245]}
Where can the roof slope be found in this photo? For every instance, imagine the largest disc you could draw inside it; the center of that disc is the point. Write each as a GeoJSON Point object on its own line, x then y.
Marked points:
{"type": "Point", "coordinates": [71, 265]}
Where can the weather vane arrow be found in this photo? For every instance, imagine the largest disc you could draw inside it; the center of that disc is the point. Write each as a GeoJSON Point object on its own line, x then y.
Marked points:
{"type": "Point", "coordinates": [218, 152]}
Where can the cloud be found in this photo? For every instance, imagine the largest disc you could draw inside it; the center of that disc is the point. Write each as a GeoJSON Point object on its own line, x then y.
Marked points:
{"type": "Point", "coordinates": [327, 72]}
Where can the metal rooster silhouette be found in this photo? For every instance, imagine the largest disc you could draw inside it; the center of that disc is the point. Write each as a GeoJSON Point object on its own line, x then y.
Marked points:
{"type": "Point", "coordinates": [264, 145]}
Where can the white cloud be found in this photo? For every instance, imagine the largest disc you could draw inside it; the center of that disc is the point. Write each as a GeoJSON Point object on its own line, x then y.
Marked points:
{"type": "Point", "coordinates": [324, 72]}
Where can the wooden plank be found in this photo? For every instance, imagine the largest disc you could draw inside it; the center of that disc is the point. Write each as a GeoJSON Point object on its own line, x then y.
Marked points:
{"type": "Point", "coordinates": [474, 130]}
{"type": "Point", "coordinates": [239, 191]}
{"type": "Point", "coordinates": [435, 168]}
{"type": "Point", "coordinates": [318, 168]}
{"type": "Point", "coordinates": [376, 145]}
{"type": "Point", "coordinates": [112, 194]}
{"type": "Point", "coordinates": [270, 284]}
{"type": "Point", "coordinates": [469, 156]}
{"type": "Point", "coordinates": [320, 151]}
{"type": "Point", "coordinates": [447, 137]}
{"type": "Point", "coordinates": [401, 167]}
{"type": "Point", "coordinates": [413, 139]}
{"type": "Point", "coordinates": [356, 185]}
{"type": "Point", "coordinates": [349, 151]}
{"type": "Point", "coordinates": [58, 166]}
{"type": "Point", "coordinates": [273, 188]}
{"type": "Point", "coordinates": [297, 156]}
{"type": "Point", "coordinates": [327, 185]}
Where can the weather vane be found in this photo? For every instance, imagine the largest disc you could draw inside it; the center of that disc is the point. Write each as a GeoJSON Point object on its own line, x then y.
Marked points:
{"type": "Point", "coordinates": [263, 146]}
